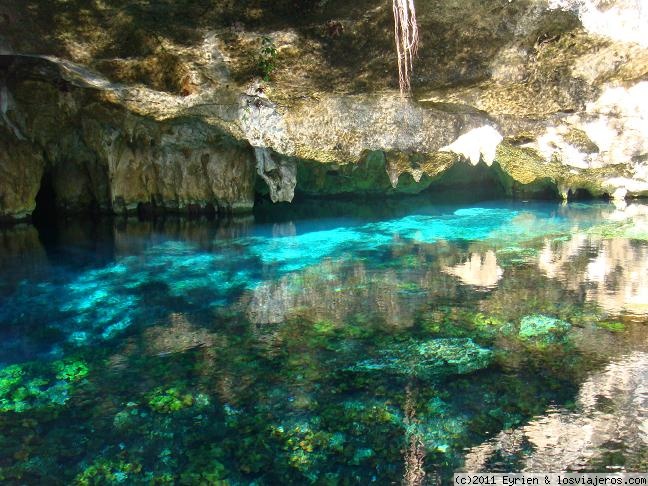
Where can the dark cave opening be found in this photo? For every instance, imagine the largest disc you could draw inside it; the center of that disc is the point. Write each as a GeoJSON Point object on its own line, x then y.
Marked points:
{"type": "Point", "coordinates": [579, 195]}
{"type": "Point", "coordinates": [45, 213]}
{"type": "Point", "coordinates": [466, 182]}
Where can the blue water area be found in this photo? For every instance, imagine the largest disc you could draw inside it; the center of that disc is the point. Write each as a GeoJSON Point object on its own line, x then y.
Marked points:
{"type": "Point", "coordinates": [336, 343]}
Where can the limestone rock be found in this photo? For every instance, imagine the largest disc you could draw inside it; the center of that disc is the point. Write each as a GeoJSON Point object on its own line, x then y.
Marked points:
{"type": "Point", "coordinates": [169, 112]}
{"type": "Point", "coordinates": [21, 169]}
{"type": "Point", "coordinates": [428, 359]}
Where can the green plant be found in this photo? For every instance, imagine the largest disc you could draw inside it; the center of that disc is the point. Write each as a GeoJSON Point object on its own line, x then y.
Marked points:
{"type": "Point", "coordinates": [169, 400]}
{"type": "Point", "coordinates": [267, 57]}
{"type": "Point", "coordinates": [70, 370]}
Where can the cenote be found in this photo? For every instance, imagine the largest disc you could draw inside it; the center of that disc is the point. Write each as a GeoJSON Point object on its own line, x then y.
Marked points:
{"type": "Point", "coordinates": [337, 343]}
{"type": "Point", "coordinates": [322, 242]}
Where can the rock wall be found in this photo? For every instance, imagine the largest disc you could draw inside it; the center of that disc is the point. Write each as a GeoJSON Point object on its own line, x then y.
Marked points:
{"type": "Point", "coordinates": [146, 108]}
{"type": "Point", "coordinates": [99, 155]}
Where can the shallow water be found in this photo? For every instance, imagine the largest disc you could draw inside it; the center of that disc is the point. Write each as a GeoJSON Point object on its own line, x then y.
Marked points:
{"type": "Point", "coordinates": [345, 344]}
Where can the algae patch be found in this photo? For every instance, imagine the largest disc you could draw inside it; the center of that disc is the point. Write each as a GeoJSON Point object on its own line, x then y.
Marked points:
{"type": "Point", "coordinates": [543, 329]}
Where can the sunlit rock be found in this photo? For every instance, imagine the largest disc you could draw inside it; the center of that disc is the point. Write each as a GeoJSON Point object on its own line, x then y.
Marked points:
{"type": "Point", "coordinates": [280, 176]}
{"type": "Point", "coordinates": [622, 20]}
{"type": "Point", "coordinates": [478, 144]}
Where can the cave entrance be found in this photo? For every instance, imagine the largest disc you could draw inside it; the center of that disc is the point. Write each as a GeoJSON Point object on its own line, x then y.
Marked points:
{"type": "Point", "coordinates": [464, 181]}
{"type": "Point", "coordinates": [45, 212]}
{"type": "Point", "coordinates": [579, 194]}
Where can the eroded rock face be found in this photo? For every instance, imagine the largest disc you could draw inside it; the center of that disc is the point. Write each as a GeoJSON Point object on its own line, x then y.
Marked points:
{"type": "Point", "coordinates": [21, 169]}
{"type": "Point", "coordinates": [99, 155]}
{"type": "Point", "coordinates": [175, 115]}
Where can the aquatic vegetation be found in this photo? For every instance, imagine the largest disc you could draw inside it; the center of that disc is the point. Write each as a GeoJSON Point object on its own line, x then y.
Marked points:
{"type": "Point", "coordinates": [108, 472]}
{"type": "Point", "coordinates": [489, 323]}
{"type": "Point", "coordinates": [71, 370]}
{"type": "Point", "coordinates": [169, 400]}
{"type": "Point", "coordinates": [612, 326]}
{"type": "Point", "coordinates": [25, 387]}
{"type": "Point", "coordinates": [543, 329]}
{"type": "Point", "coordinates": [636, 229]}
{"type": "Point", "coordinates": [213, 473]}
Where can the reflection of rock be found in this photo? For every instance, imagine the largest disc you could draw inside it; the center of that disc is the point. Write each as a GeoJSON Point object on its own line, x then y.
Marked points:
{"type": "Point", "coordinates": [618, 277]}
{"type": "Point", "coordinates": [21, 252]}
{"type": "Point", "coordinates": [284, 229]}
{"type": "Point", "coordinates": [177, 337]}
{"type": "Point", "coordinates": [616, 271]}
{"type": "Point", "coordinates": [613, 409]}
{"type": "Point", "coordinates": [480, 270]}
{"type": "Point", "coordinates": [334, 291]}
{"type": "Point", "coordinates": [270, 304]}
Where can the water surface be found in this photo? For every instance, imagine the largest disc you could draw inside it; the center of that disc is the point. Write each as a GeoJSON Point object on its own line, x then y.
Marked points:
{"type": "Point", "coordinates": [346, 344]}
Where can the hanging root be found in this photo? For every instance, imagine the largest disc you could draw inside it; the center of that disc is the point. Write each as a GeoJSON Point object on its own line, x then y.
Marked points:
{"type": "Point", "coordinates": [406, 36]}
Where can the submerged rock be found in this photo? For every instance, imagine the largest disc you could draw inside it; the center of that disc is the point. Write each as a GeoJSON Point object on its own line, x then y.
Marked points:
{"type": "Point", "coordinates": [429, 359]}
{"type": "Point", "coordinates": [543, 329]}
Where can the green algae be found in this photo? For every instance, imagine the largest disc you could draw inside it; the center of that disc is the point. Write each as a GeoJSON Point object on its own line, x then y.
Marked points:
{"type": "Point", "coordinates": [71, 370]}
{"type": "Point", "coordinates": [169, 400]}
{"type": "Point", "coordinates": [28, 386]}
{"type": "Point", "coordinates": [629, 228]}
{"type": "Point", "coordinates": [107, 472]}
{"type": "Point", "coordinates": [612, 326]}
{"type": "Point", "coordinates": [543, 329]}
{"type": "Point", "coordinates": [488, 323]}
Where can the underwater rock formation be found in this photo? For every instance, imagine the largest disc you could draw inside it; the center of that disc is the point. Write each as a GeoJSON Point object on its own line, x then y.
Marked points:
{"type": "Point", "coordinates": [163, 107]}
{"type": "Point", "coordinates": [544, 329]}
{"type": "Point", "coordinates": [429, 359]}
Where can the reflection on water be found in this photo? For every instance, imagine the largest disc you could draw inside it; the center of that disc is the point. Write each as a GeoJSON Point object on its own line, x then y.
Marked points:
{"type": "Point", "coordinates": [611, 419]}
{"type": "Point", "coordinates": [480, 270]}
{"type": "Point", "coordinates": [347, 346]}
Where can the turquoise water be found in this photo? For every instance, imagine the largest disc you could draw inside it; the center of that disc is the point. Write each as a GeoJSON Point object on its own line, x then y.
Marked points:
{"type": "Point", "coordinates": [337, 344]}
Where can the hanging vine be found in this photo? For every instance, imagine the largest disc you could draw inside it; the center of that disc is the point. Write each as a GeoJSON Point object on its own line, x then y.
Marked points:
{"type": "Point", "coordinates": [406, 36]}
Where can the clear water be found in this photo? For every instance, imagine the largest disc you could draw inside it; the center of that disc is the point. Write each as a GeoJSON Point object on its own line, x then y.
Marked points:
{"type": "Point", "coordinates": [345, 344]}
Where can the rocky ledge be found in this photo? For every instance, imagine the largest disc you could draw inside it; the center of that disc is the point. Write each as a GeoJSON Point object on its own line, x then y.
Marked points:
{"type": "Point", "coordinates": [118, 106]}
